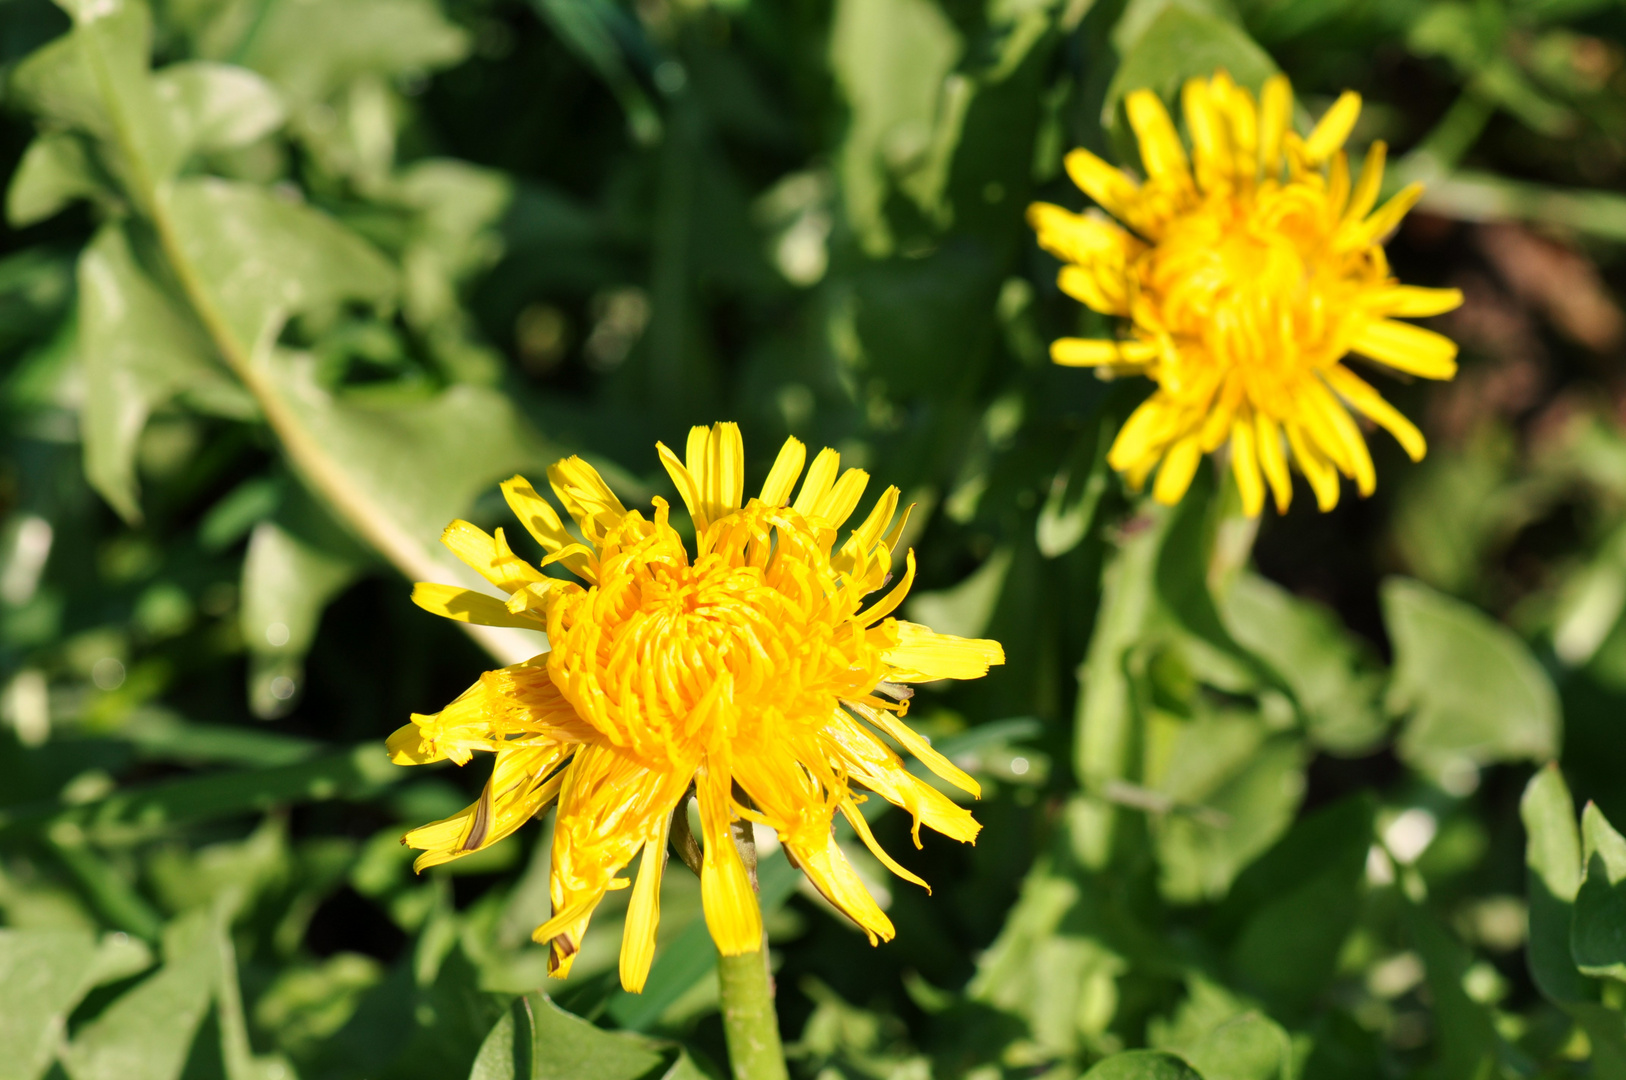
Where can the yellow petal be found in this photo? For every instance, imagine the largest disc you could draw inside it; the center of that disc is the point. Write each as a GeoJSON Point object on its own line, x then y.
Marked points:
{"type": "Point", "coordinates": [586, 496]}
{"type": "Point", "coordinates": [1076, 238]}
{"type": "Point", "coordinates": [923, 655]}
{"type": "Point", "coordinates": [1360, 395]}
{"type": "Point", "coordinates": [644, 913]}
{"type": "Point", "coordinates": [1179, 467]}
{"type": "Point", "coordinates": [1108, 186]}
{"type": "Point", "coordinates": [1273, 461]}
{"type": "Point", "coordinates": [1210, 139]}
{"type": "Point", "coordinates": [732, 913]}
{"type": "Point", "coordinates": [715, 457]}
{"type": "Point", "coordinates": [889, 603]}
{"type": "Point", "coordinates": [515, 793]}
{"type": "Point", "coordinates": [917, 745]}
{"type": "Point", "coordinates": [1160, 149]}
{"type": "Point", "coordinates": [830, 872]}
{"type": "Point", "coordinates": [1407, 348]}
{"type": "Point", "coordinates": [1275, 119]}
{"type": "Point", "coordinates": [850, 811]}
{"type": "Point", "coordinates": [688, 488]}
{"type": "Point", "coordinates": [782, 477]}
{"type": "Point", "coordinates": [543, 523]}
{"type": "Point", "coordinates": [466, 605]}
{"type": "Point", "coordinates": [489, 556]}
{"type": "Point", "coordinates": [1413, 302]}
{"type": "Point", "coordinates": [842, 499]}
{"type": "Point", "coordinates": [1385, 220]}
{"type": "Point", "coordinates": [1101, 287]}
{"type": "Point", "coordinates": [821, 477]}
{"type": "Point", "coordinates": [1365, 195]}
{"type": "Point", "coordinates": [1148, 429]}
{"type": "Point", "coordinates": [1355, 458]}
{"type": "Point", "coordinates": [1321, 474]}
{"type": "Point", "coordinates": [1245, 467]}
{"type": "Point", "coordinates": [1333, 130]}
{"type": "Point", "coordinates": [1093, 352]}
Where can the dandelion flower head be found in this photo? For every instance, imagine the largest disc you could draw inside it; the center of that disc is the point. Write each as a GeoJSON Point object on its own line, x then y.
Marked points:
{"type": "Point", "coordinates": [751, 669]}
{"type": "Point", "coordinates": [1246, 272]}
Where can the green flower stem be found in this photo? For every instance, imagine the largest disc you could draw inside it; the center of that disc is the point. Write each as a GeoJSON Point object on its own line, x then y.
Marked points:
{"type": "Point", "coordinates": [749, 1020]}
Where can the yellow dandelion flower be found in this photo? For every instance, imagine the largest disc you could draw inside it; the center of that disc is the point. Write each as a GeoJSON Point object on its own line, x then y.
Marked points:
{"type": "Point", "coordinates": [750, 670]}
{"type": "Point", "coordinates": [1247, 271]}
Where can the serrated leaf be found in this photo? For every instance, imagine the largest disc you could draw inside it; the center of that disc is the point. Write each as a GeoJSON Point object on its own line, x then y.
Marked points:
{"type": "Point", "coordinates": [1469, 687]}
{"type": "Point", "coordinates": [1598, 932]}
{"type": "Point", "coordinates": [217, 106]}
{"type": "Point", "coordinates": [146, 1033]}
{"type": "Point", "coordinates": [1143, 1065]}
{"type": "Point", "coordinates": [313, 50]}
{"type": "Point", "coordinates": [43, 974]}
{"type": "Point", "coordinates": [261, 259]}
{"type": "Point", "coordinates": [537, 1040]}
{"type": "Point", "coordinates": [55, 171]}
{"type": "Point", "coordinates": [140, 350]}
{"type": "Point", "coordinates": [95, 79]}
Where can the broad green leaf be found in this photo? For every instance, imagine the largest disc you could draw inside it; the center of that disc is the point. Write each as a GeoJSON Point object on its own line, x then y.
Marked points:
{"type": "Point", "coordinates": [140, 350]}
{"type": "Point", "coordinates": [890, 58]}
{"type": "Point", "coordinates": [1553, 873]}
{"type": "Point", "coordinates": [1143, 1065]}
{"type": "Point", "coordinates": [313, 50]}
{"type": "Point", "coordinates": [1336, 684]}
{"type": "Point", "coordinates": [146, 1033]}
{"type": "Point", "coordinates": [1247, 1047]}
{"type": "Point", "coordinates": [1470, 689]}
{"type": "Point", "coordinates": [1294, 907]}
{"type": "Point", "coordinates": [1235, 789]}
{"type": "Point", "coordinates": [1598, 932]}
{"type": "Point", "coordinates": [537, 1040]}
{"type": "Point", "coordinates": [1183, 43]}
{"type": "Point", "coordinates": [217, 106]}
{"type": "Point", "coordinates": [95, 79]}
{"type": "Point", "coordinates": [55, 171]}
{"type": "Point", "coordinates": [43, 974]}
{"type": "Point", "coordinates": [259, 259]}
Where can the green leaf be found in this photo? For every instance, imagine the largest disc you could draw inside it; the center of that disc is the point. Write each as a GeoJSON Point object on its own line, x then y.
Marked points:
{"type": "Point", "coordinates": [1181, 43]}
{"type": "Point", "coordinates": [218, 106]}
{"type": "Point", "coordinates": [1295, 906]}
{"type": "Point", "coordinates": [1336, 684]}
{"type": "Point", "coordinates": [141, 811]}
{"type": "Point", "coordinates": [140, 350]}
{"type": "Point", "coordinates": [1247, 1047]}
{"type": "Point", "coordinates": [95, 79]}
{"type": "Point", "coordinates": [537, 1040]}
{"type": "Point", "coordinates": [260, 259]}
{"type": "Point", "coordinates": [1553, 872]}
{"type": "Point", "coordinates": [1143, 1065]}
{"type": "Point", "coordinates": [55, 171]}
{"type": "Point", "coordinates": [1469, 687]}
{"type": "Point", "coordinates": [890, 58]}
{"type": "Point", "coordinates": [1598, 933]}
{"type": "Point", "coordinates": [312, 51]}
{"type": "Point", "coordinates": [43, 974]}
{"type": "Point", "coordinates": [1467, 1042]}
{"type": "Point", "coordinates": [146, 1033]}
{"type": "Point", "coordinates": [591, 29]}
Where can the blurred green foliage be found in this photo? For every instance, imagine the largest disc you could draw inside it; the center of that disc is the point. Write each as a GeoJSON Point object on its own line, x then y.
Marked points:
{"type": "Point", "coordinates": [289, 285]}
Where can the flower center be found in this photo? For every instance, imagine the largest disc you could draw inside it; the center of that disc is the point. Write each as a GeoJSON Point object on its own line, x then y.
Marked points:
{"type": "Point", "coordinates": [1253, 282]}
{"type": "Point", "coordinates": [668, 656]}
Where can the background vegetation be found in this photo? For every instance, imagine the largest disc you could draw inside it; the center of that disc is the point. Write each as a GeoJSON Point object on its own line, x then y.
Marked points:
{"type": "Point", "coordinates": [291, 284]}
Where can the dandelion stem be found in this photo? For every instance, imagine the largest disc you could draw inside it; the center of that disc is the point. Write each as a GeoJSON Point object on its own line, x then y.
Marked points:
{"type": "Point", "coordinates": [749, 1020]}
